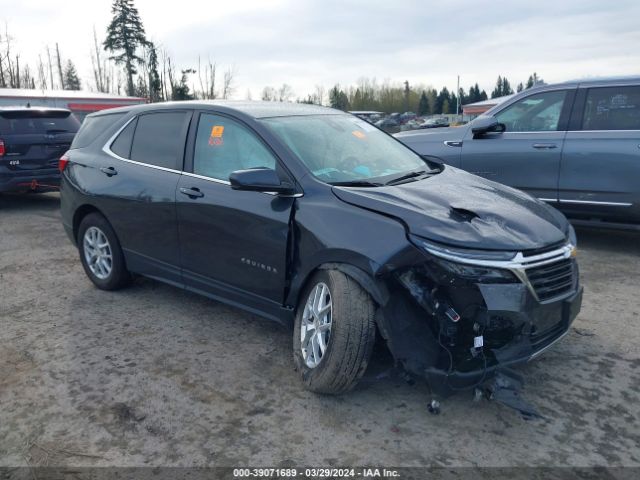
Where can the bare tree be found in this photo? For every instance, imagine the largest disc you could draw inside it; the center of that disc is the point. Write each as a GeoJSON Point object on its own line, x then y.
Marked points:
{"type": "Point", "coordinates": [227, 87]}
{"type": "Point", "coordinates": [60, 72]}
{"type": "Point", "coordinates": [17, 74]}
{"type": "Point", "coordinates": [7, 55]}
{"type": "Point", "coordinates": [269, 94]}
{"type": "Point", "coordinates": [318, 95]}
{"type": "Point", "coordinates": [208, 86]}
{"type": "Point", "coordinates": [97, 64]}
{"type": "Point", "coordinates": [50, 68]}
{"type": "Point", "coordinates": [42, 76]}
{"type": "Point", "coordinates": [285, 93]}
{"type": "Point", "coordinates": [211, 74]}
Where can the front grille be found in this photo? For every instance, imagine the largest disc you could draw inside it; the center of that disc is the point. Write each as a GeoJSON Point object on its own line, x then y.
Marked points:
{"type": "Point", "coordinates": [553, 279]}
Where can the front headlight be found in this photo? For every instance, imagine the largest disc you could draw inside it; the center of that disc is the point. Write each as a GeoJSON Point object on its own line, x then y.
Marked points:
{"type": "Point", "coordinates": [468, 263]}
{"type": "Point", "coordinates": [477, 273]}
{"type": "Point", "coordinates": [464, 255]}
{"type": "Point", "coordinates": [571, 235]}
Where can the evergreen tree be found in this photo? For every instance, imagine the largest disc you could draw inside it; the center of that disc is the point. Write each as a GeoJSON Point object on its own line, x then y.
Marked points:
{"type": "Point", "coordinates": [181, 90]}
{"type": "Point", "coordinates": [125, 34]}
{"type": "Point", "coordinates": [155, 86]}
{"type": "Point", "coordinates": [534, 80]}
{"type": "Point", "coordinates": [71, 79]}
{"type": "Point", "coordinates": [453, 103]}
{"type": "Point", "coordinates": [463, 98]}
{"type": "Point", "coordinates": [338, 99]}
{"type": "Point", "coordinates": [442, 96]}
{"type": "Point", "coordinates": [497, 91]}
{"type": "Point", "coordinates": [520, 87]}
{"type": "Point", "coordinates": [432, 96]}
{"type": "Point", "coordinates": [506, 87]}
{"type": "Point", "coordinates": [475, 95]}
{"type": "Point", "coordinates": [142, 90]}
{"type": "Point", "coordinates": [423, 106]}
{"type": "Point", "coordinates": [445, 105]}
{"type": "Point", "coordinates": [503, 87]}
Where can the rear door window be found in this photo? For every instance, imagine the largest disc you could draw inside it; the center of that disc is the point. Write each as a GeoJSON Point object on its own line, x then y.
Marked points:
{"type": "Point", "coordinates": [612, 108]}
{"type": "Point", "coordinates": [159, 139]}
{"type": "Point", "coordinates": [27, 122]}
{"type": "Point", "coordinates": [92, 127]}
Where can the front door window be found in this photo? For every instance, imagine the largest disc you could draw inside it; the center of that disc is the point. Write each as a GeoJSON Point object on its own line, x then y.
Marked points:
{"type": "Point", "coordinates": [535, 113]}
{"type": "Point", "coordinates": [224, 145]}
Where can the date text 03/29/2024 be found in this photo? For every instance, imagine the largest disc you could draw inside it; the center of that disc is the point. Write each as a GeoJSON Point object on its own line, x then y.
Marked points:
{"type": "Point", "coordinates": [315, 473]}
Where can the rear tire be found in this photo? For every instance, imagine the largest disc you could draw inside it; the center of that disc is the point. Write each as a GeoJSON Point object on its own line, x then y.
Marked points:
{"type": "Point", "coordinates": [350, 339]}
{"type": "Point", "coordinates": [101, 254]}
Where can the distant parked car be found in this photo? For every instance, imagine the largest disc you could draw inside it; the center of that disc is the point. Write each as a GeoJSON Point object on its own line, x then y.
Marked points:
{"type": "Point", "coordinates": [387, 123]}
{"type": "Point", "coordinates": [575, 145]}
{"type": "Point", "coordinates": [435, 123]}
{"type": "Point", "coordinates": [407, 117]}
{"type": "Point", "coordinates": [31, 142]}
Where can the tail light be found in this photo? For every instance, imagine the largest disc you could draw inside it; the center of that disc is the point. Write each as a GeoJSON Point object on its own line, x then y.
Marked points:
{"type": "Point", "coordinates": [2, 148]}
{"type": "Point", "coordinates": [62, 162]}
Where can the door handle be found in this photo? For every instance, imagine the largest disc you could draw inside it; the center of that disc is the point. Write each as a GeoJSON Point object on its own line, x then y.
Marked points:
{"type": "Point", "coordinates": [191, 192]}
{"type": "Point", "coordinates": [544, 146]}
{"type": "Point", "coordinates": [109, 171]}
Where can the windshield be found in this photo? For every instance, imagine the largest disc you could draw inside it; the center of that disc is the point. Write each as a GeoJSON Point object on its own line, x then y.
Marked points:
{"type": "Point", "coordinates": [345, 149]}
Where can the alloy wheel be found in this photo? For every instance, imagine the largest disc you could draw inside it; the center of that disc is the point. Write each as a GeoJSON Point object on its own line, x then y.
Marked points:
{"type": "Point", "coordinates": [315, 328]}
{"type": "Point", "coordinates": [97, 252]}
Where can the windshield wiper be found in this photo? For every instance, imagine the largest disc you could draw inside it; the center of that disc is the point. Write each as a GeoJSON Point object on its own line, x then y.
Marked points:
{"type": "Point", "coordinates": [356, 183]}
{"type": "Point", "coordinates": [409, 176]}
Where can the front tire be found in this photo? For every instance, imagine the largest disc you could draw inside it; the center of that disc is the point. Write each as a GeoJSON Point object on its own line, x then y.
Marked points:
{"type": "Point", "coordinates": [100, 253]}
{"type": "Point", "coordinates": [334, 333]}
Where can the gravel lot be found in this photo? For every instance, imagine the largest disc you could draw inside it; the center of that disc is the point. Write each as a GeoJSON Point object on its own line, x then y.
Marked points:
{"type": "Point", "coordinates": [156, 376]}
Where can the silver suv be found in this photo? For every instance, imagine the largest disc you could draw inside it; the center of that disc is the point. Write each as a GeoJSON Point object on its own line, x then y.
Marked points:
{"type": "Point", "coordinates": [575, 145]}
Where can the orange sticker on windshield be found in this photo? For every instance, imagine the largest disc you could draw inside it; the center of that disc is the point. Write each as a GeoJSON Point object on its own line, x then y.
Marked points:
{"type": "Point", "coordinates": [358, 134]}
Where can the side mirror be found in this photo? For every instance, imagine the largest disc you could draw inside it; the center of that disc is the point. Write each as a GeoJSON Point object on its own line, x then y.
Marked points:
{"type": "Point", "coordinates": [259, 180]}
{"type": "Point", "coordinates": [483, 125]}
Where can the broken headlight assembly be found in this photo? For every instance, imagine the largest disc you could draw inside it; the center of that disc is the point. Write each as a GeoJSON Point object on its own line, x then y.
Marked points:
{"type": "Point", "coordinates": [467, 263]}
{"type": "Point", "coordinates": [475, 273]}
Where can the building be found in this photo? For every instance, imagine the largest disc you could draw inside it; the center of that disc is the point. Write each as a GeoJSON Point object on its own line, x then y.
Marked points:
{"type": "Point", "coordinates": [472, 110]}
{"type": "Point", "coordinates": [81, 103]}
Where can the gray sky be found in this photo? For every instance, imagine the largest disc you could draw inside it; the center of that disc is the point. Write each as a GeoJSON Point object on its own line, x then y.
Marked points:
{"type": "Point", "coordinates": [309, 42]}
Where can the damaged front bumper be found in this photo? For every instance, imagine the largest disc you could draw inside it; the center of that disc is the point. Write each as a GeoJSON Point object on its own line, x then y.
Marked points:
{"type": "Point", "coordinates": [536, 330]}
{"type": "Point", "coordinates": [457, 324]}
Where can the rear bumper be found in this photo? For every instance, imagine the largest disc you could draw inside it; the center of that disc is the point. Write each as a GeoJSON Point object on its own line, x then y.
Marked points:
{"type": "Point", "coordinates": [30, 180]}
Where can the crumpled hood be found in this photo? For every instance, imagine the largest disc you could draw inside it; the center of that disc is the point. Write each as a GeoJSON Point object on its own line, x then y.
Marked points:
{"type": "Point", "coordinates": [464, 210]}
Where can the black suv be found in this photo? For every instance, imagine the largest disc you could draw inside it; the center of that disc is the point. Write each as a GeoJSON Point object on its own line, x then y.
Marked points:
{"type": "Point", "coordinates": [31, 142]}
{"type": "Point", "coordinates": [312, 217]}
